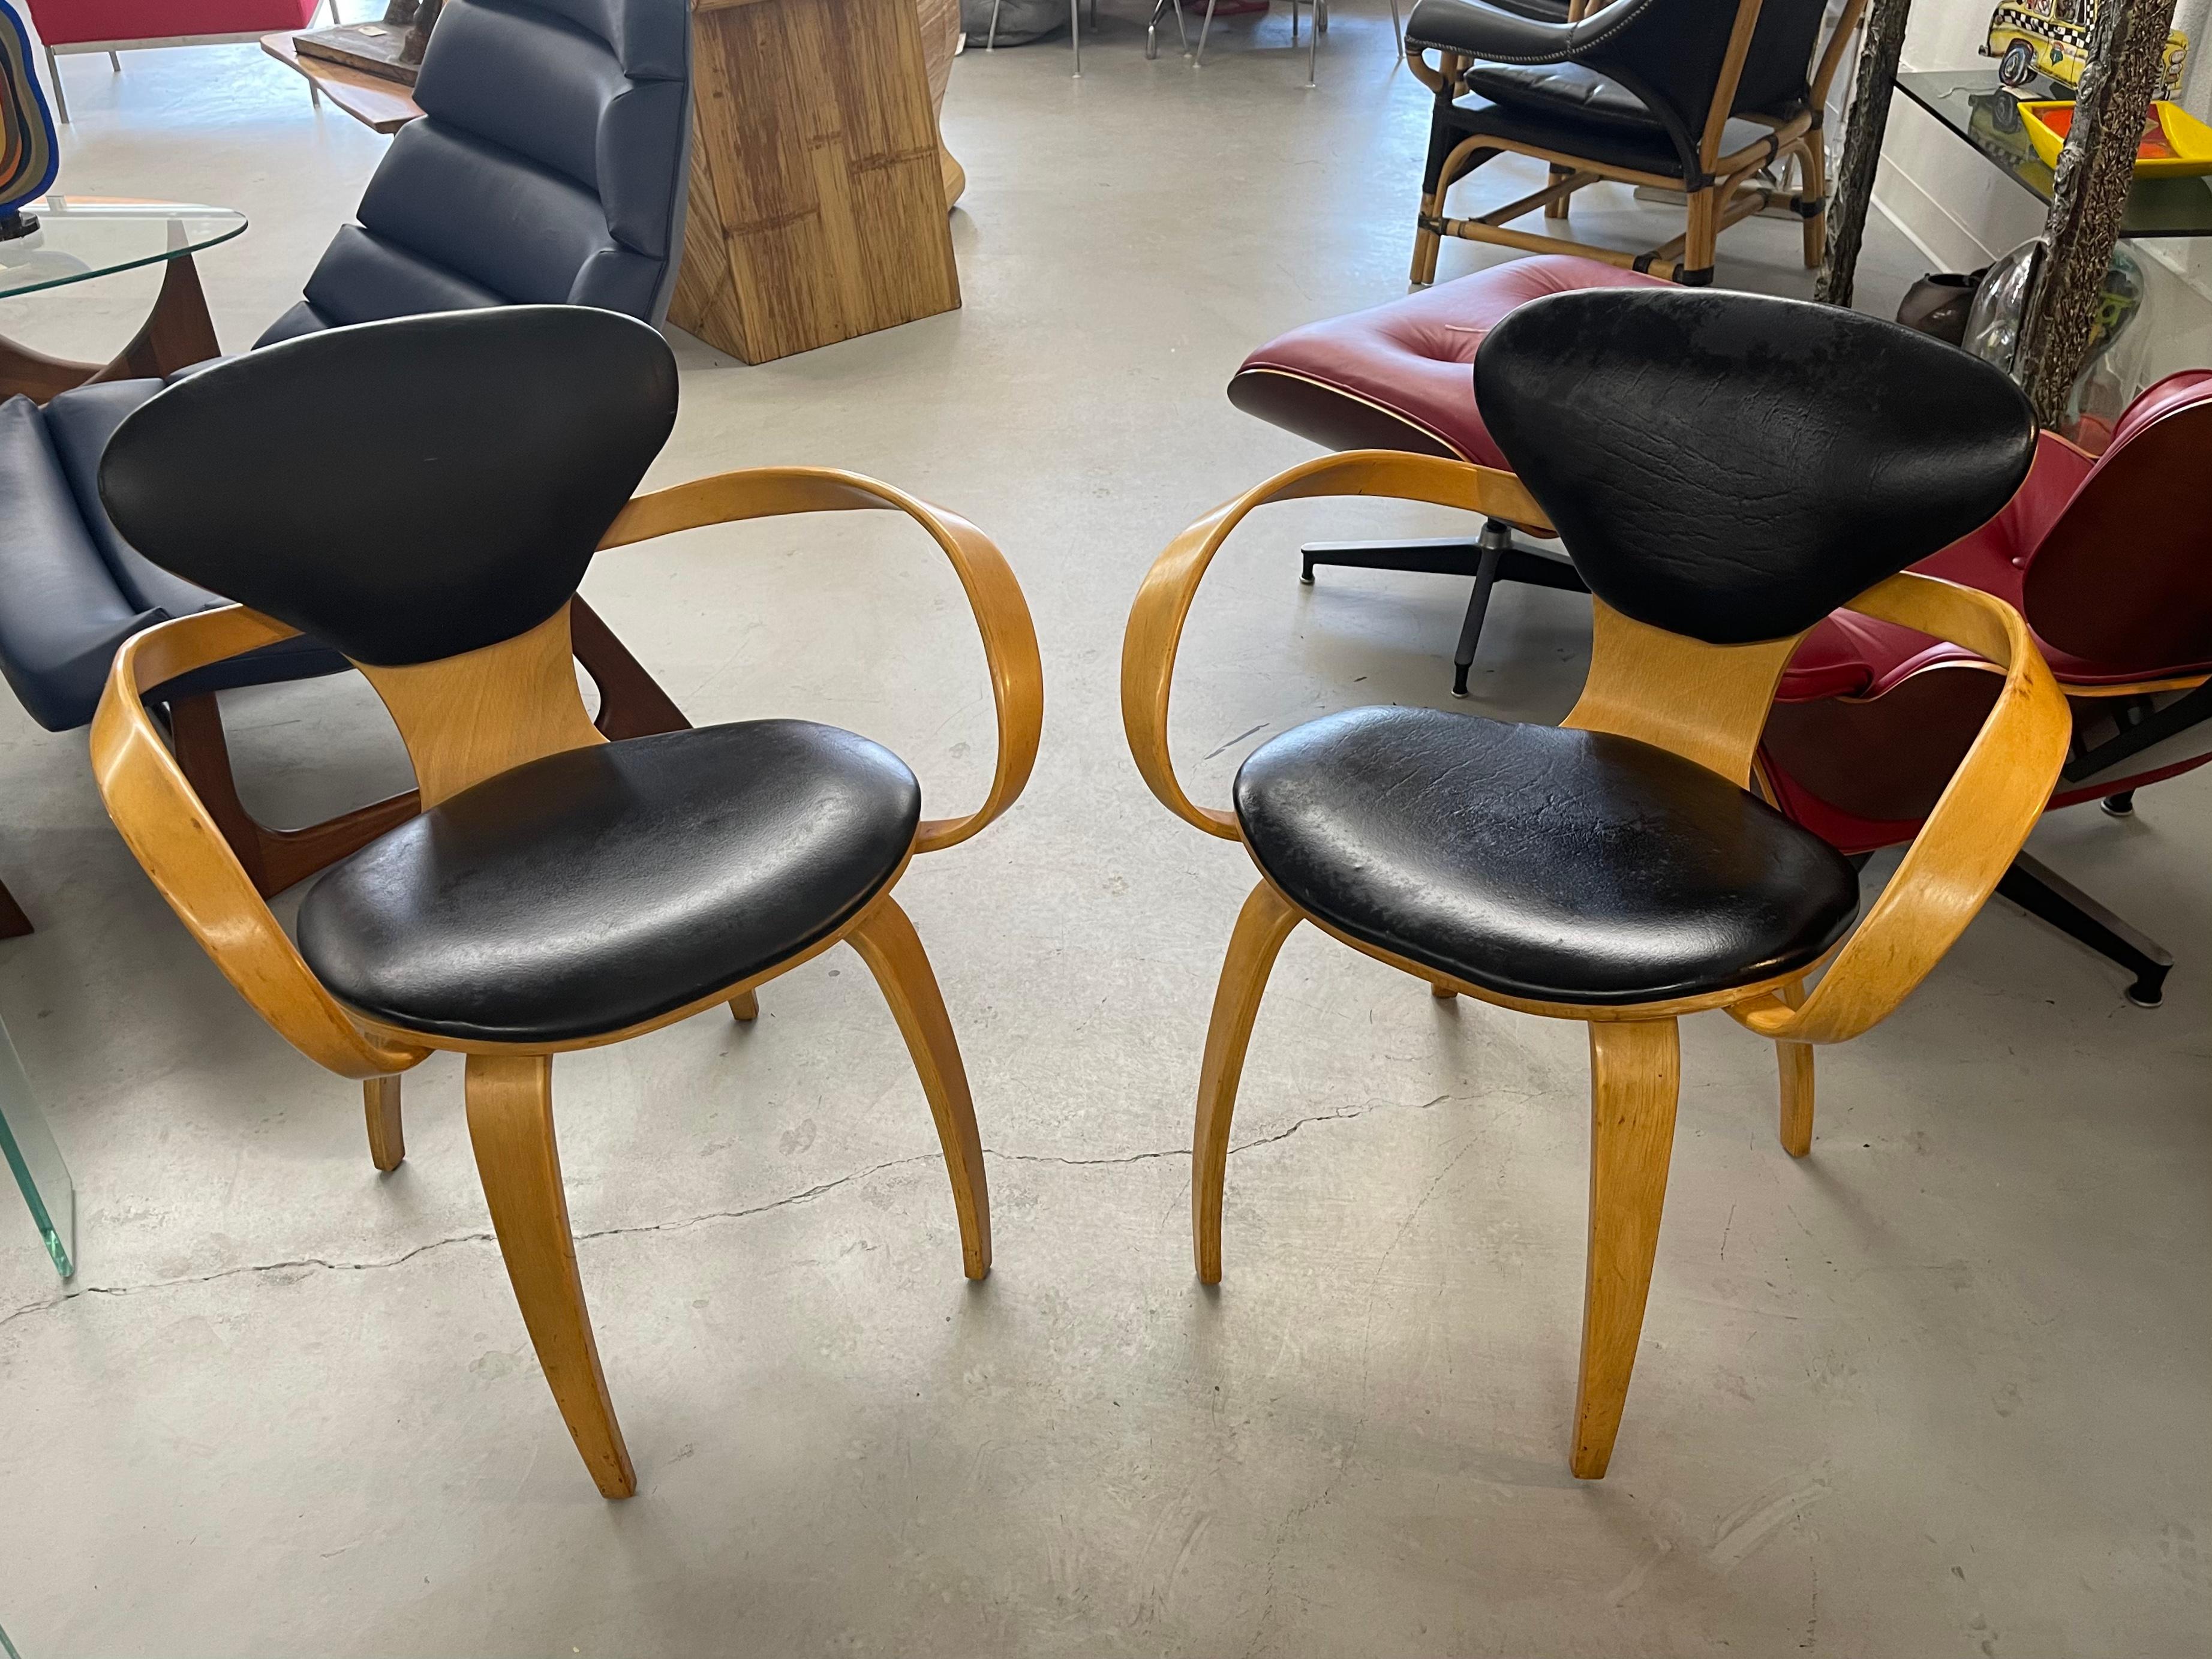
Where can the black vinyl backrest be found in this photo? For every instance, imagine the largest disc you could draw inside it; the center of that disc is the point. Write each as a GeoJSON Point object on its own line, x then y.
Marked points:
{"type": "Point", "coordinates": [1670, 56]}
{"type": "Point", "coordinates": [1734, 467]}
{"type": "Point", "coordinates": [405, 490]}
{"type": "Point", "coordinates": [1778, 71]}
{"type": "Point", "coordinates": [549, 167]}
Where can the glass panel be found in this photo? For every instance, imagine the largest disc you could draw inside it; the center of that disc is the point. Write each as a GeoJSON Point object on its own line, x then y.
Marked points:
{"type": "Point", "coordinates": [1972, 104]}
{"type": "Point", "coordinates": [81, 237]}
{"type": "Point", "coordinates": [28, 1147]}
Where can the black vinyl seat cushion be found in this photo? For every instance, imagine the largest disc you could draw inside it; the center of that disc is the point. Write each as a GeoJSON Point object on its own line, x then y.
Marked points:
{"type": "Point", "coordinates": [1556, 865]}
{"type": "Point", "coordinates": [1571, 111]}
{"type": "Point", "coordinates": [591, 890]}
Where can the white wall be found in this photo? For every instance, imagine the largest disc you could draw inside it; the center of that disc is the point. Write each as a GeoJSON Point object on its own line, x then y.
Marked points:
{"type": "Point", "coordinates": [1963, 212]}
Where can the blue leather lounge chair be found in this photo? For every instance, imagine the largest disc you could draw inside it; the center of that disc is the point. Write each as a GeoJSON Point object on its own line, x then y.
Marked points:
{"type": "Point", "coordinates": [550, 166]}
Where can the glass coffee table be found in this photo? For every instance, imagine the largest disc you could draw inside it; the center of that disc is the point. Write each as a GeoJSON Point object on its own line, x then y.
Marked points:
{"type": "Point", "coordinates": [79, 238]}
{"type": "Point", "coordinates": [27, 1147]}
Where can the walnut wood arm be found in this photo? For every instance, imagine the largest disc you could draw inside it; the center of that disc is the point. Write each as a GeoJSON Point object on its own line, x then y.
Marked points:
{"type": "Point", "coordinates": [1002, 616]}
{"type": "Point", "coordinates": [174, 837]}
{"type": "Point", "coordinates": [1155, 620]}
{"type": "Point", "coordinates": [1982, 817]}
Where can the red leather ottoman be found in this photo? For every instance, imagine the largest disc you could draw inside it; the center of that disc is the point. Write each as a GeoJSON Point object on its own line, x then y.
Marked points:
{"type": "Point", "coordinates": [1401, 376]}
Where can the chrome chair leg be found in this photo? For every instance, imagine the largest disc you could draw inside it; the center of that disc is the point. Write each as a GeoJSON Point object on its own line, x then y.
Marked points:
{"type": "Point", "coordinates": [1397, 28]}
{"type": "Point", "coordinates": [991, 39]}
{"type": "Point", "coordinates": [1313, 42]}
{"type": "Point", "coordinates": [60, 98]}
{"type": "Point", "coordinates": [1198, 62]}
{"type": "Point", "coordinates": [1153, 29]}
{"type": "Point", "coordinates": [1075, 34]}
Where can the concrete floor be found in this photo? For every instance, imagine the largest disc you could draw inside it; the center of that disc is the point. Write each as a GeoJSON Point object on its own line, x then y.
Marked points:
{"type": "Point", "coordinates": [1938, 1390]}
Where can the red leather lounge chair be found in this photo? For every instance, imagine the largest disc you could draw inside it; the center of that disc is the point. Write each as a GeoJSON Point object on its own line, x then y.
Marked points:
{"type": "Point", "coordinates": [2110, 559]}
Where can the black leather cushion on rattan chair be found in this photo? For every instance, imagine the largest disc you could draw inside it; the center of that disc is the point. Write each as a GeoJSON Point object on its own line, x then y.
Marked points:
{"type": "Point", "coordinates": [1557, 866]}
{"type": "Point", "coordinates": [594, 890]}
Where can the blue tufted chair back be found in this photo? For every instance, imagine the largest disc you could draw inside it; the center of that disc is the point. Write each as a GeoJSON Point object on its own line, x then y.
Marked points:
{"type": "Point", "coordinates": [549, 167]}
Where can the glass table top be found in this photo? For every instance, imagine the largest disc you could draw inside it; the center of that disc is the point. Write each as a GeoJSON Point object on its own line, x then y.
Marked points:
{"type": "Point", "coordinates": [27, 1149]}
{"type": "Point", "coordinates": [81, 237]}
{"type": "Point", "coordinates": [1972, 104]}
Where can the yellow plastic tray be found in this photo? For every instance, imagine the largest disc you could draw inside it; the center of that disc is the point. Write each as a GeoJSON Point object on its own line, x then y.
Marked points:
{"type": "Point", "coordinates": [2189, 138]}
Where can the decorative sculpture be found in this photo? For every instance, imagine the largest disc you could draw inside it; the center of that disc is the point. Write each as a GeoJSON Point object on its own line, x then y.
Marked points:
{"type": "Point", "coordinates": [392, 48]}
{"type": "Point", "coordinates": [2051, 38]}
{"type": "Point", "coordinates": [30, 153]}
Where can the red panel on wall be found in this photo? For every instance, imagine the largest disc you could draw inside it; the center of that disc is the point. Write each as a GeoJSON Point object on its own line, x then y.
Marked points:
{"type": "Point", "coordinates": [75, 22]}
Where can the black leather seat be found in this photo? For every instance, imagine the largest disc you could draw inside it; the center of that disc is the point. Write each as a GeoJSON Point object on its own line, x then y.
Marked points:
{"type": "Point", "coordinates": [1553, 864]}
{"type": "Point", "coordinates": [594, 889]}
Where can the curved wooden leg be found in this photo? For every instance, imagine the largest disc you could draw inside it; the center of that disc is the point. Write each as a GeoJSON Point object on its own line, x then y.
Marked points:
{"type": "Point", "coordinates": [387, 1139]}
{"type": "Point", "coordinates": [1634, 1073]}
{"type": "Point", "coordinates": [177, 333]}
{"type": "Point", "coordinates": [511, 1124]}
{"type": "Point", "coordinates": [744, 1007]}
{"type": "Point", "coordinates": [1262, 925]}
{"type": "Point", "coordinates": [1440, 991]}
{"type": "Point", "coordinates": [1795, 1061]}
{"type": "Point", "coordinates": [888, 944]}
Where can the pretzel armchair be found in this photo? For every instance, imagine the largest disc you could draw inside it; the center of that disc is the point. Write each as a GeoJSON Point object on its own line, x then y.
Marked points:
{"type": "Point", "coordinates": [1618, 870]}
{"type": "Point", "coordinates": [560, 891]}
{"type": "Point", "coordinates": [1681, 94]}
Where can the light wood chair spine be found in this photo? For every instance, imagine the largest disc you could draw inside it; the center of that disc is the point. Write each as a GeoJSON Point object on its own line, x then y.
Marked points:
{"type": "Point", "coordinates": [1969, 839]}
{"type": "Point", "coordinates": [1704, 703]}
{"type": "Point", "coordinates": [470, 717]}
{"type": "Point", "coordinates": [1002, 615]}
{"type": "Point", "coordinates": [172, 834]}
{"type": "Point", "coordinates": [1162, 604]}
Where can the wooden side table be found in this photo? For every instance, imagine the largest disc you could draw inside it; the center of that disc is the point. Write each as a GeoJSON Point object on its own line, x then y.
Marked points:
{"type": "Point", "coordinates": [379, 104]}
{"type": "Point", "coordinates": [818, 196]}
{"type": "Point", "coordinates": [819, 186]}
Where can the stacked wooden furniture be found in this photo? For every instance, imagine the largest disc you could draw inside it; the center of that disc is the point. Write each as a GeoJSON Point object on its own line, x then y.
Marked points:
{"type": "Point", "coordinates": [817, 205]}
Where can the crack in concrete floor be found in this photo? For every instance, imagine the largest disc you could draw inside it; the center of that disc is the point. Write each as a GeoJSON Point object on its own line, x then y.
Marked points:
{"type": "Point", "coordinates": [484, 1234]}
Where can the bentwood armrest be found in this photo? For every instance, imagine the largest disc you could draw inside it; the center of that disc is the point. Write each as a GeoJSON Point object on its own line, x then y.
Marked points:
{"type": "Point", "coordinates": [1983, 814]}
{"type": "Point", "coordinates": [1155, 620]}
{"type": "Point", "coordinates": [1002, 615]}
{"type": "Point", "coordinates": [164, 824]}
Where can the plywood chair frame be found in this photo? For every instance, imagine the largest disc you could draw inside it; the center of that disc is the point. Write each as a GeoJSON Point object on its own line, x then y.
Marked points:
{"type": "Point", "coordinates": [1730, 194]}
{"type": "Point", "coordinates": [472, 717]}
{"type": "Point", "coordinates": [1707, 703]}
